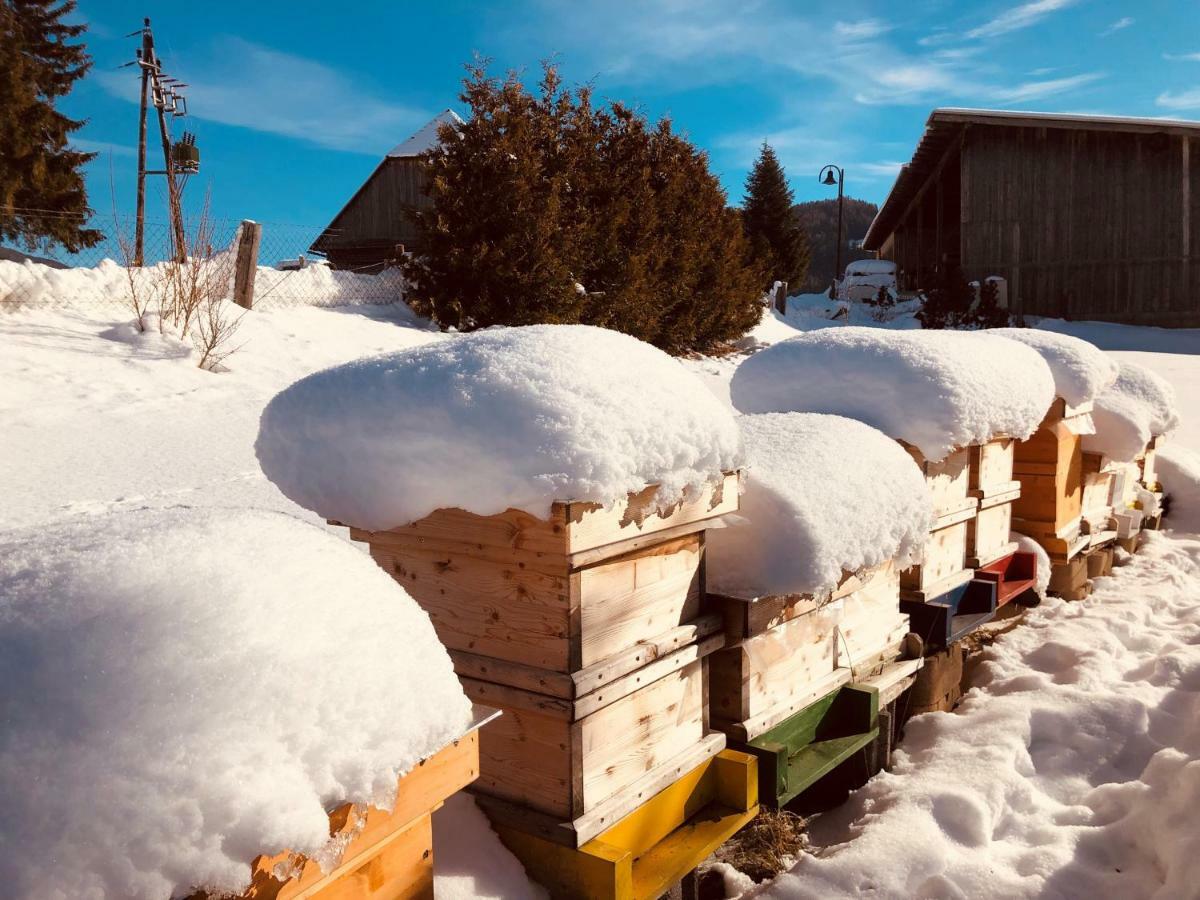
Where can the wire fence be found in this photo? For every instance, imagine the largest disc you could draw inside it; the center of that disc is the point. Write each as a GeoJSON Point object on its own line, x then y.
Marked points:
{"type": "Point", "coordinates": [47, 275]}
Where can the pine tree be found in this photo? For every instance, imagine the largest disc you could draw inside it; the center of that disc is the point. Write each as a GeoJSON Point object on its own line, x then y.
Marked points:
{"type": "Point", "coordinates": [42, 194]}
{"type": "Point", "coordinates": [772, 226]}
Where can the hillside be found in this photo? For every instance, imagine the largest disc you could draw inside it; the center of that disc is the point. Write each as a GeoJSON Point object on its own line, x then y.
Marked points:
{"type": "Point", "coordinates": [819, 218]}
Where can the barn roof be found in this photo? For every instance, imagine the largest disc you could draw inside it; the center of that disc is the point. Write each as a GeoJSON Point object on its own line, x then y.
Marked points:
{"type": "Point", "coordinates": [946, 124]}
{"type": "Point", "coordinates": [427, 137]}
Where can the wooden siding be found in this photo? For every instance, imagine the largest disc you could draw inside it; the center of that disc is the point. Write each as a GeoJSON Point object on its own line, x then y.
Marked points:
{"type": "Point", "coordinates": [1083, 223]}
{"type": "Point", "coordinates": [378, 217]}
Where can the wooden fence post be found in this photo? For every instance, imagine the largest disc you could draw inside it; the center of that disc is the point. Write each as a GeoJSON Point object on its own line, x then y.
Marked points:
{"type": "Point", "coordinates": [246, 264]}
{"type": "Point", "coordinates": [781, 288]}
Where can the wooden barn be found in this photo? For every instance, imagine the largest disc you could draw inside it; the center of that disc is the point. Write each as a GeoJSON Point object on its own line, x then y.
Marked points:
{"type": "Point", "coordinates": [1087, 217]}
{"type": "Point", "coordinates": [377, 222]}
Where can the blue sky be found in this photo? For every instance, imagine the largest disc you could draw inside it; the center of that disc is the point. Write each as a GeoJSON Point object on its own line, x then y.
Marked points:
{"type": "Point", "coordinates": [294, 103]}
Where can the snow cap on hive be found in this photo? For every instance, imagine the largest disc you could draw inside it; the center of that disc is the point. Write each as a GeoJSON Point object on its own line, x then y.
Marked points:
{"type": "Point", "coordinates": [183, 690]}
{"type": "Point", "coordinates": [824, 495]}
{"type": "Point", "coordinates": [936, 390]}
{"type": "Point", "coordinates": [1081, 370]}
{"type": "Point", "coordinates": [1138, 406]}
{"type": "Point", "coordinates": [510, 417]}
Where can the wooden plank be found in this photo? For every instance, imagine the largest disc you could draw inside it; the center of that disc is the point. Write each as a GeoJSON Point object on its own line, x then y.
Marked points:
{"type": "Point", "coordinates": [944, 556]}
{"type": "Point", "coordinates": [647, 592]}
{"type": "Point", "coordinates": [636, 680]}
{"type": "Point", "coordinates": [589, 525]}
{"type": "Point", "coordinates": [948, 479]}
{"type": "Point", "coordinates": [991, 464]}
{"type": "Point", "coordinates": [988, 534]}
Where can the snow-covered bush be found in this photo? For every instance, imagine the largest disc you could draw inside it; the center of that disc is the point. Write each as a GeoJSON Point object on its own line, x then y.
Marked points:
{"type": "Point", "coordinates": [937, 390]}
{"type": "Point", "coordinates": [512, 417]}
{"type": "Point", "coordinates": [1081, 370]}
{"type": "Point", "coordinates": [824, 495]}
{"type": "Point", "coordinates": [183, 690]}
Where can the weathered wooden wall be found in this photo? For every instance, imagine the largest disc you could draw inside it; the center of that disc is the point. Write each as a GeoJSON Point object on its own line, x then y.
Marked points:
{"type": "Point", "coordinates": [378, 217]}
{"type": "Point", "coordinates": [1084, 223]}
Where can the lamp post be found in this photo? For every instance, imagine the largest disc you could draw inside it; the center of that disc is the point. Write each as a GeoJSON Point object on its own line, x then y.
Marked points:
{"type": "Point", "coordinates": [826, 176]}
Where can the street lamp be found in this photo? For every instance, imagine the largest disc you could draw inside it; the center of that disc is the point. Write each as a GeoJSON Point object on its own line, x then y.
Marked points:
{"type": "Point", "coordinates": [826, 176]}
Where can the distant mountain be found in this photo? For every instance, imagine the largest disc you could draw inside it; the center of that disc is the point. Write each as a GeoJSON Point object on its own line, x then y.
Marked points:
{"type": "Point", "coordinates": [819, 218]}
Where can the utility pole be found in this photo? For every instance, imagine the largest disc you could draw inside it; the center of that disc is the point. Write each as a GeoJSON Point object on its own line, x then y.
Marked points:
{"type": "Point", "coordinates": [165, 93]}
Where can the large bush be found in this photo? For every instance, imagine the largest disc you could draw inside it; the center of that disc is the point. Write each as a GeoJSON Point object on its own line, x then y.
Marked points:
{"type": "Point", "coordinates": [548, 209]}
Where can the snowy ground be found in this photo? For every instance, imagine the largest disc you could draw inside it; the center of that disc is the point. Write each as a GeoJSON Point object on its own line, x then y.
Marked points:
{"type": "Point", "coordinates": [1072, 769]}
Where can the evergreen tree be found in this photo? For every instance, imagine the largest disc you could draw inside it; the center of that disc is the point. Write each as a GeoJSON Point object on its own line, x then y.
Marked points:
{"type": "Point", "coordinates": [548, 209]}
{"type": "Point", "coordinates": [772, 226]}
{"type": "Point", "coordinates": [42, 195]}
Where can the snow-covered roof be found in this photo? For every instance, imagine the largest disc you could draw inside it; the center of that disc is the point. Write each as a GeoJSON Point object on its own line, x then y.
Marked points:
{"type": "Point", "coordinates": [185, 689]}
{"type": "Point", "coordinates": [1081, 370]}
{"type": "Point", "coordinates": [492, 420]}
{"type": "Point", "coordinates": [823, 495]}
{"type": "Point", "coordinates": [427, 137]}
{"type": "Point", "coordinates": [936, 390]}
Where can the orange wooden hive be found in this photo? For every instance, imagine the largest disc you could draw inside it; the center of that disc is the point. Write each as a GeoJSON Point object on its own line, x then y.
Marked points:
{"type": "Point", "coordinates": [381, 854]}
{"type": "Point", "coordinates": [1049, 466]}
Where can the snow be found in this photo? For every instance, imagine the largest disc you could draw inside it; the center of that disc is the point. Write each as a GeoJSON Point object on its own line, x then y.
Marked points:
{"type": "Point", "coordinates": [871, 267]}
{"type": "Point", "coordinates": [1137, 406]}
{"type": "Point", "coordinates": [936, 390]}
{"type": "Point", "coordinates": [497, 419]}
{"type": "Point", "coordinates": [823, 496]}
{"type": "Point", "coordinates": [186, 689]}
{"type": "Point", "coordinates": [1081, 370]}
{"type": "Point", "coordinates": [427, 137]}
{"type": "Point", "coordinates": [1026, 544]}
{"type": "Point", "coordinates": [1072, 768]}
{"type": "Point", "coordinates": [461, 870]}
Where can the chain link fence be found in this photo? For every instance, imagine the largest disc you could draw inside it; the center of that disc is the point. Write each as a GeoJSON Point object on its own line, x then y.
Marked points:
{"type": "Point", "coordinates": [98, 277]}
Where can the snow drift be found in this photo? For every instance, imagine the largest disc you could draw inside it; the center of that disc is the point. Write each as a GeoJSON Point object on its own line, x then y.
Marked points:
{"type": "Point", "coordinates": [1081, 370]}
{"type": "Point", "coordinates": [936, 390]}
{"type": "Point", "coordinates": [183, 690]}
{"type": "Point", "coordinates": [823, 495]}
{"type": "Point", "coordinates": [513, 417]}
{"type": "Point", "coordinates": [1137, 406]}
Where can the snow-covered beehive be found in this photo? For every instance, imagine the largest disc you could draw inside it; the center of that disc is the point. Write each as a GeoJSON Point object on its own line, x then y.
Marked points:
{"type": "Point", "coordinates": [954, 400]}
{"type": "Point", "coordinates": [543, 493]}
{"type": "Point", "coordinates": [807, 576]}
{"type": "Point", "coordinates": [1049, 463]}
{"type": "Point", "coordinates": [185, 690]}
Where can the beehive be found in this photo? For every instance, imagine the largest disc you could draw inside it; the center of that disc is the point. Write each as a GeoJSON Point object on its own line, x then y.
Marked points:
{"type": "Point", "coordinates": [943, 565]}
{"type": "Point", "coordinates": [1049, 466]}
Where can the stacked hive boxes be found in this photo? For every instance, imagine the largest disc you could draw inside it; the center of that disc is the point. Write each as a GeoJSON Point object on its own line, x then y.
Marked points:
{"type": "Point", "coordinates": [941, 594]}
{"type": "Point", "coordinates": [586, 630]}
{"type": "Point", "coordinates": [802, 683]}
{"type": "Point", "coordinates": [989, 551]}
{"type": "Point", "coordinates": [1049, 466]}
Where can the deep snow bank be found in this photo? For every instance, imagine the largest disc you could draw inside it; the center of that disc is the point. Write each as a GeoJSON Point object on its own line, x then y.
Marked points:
{"type": "Point", "coordinates": [823, 495]}
{"type": "Point", "coordinates": [1071, 771]}
{"type": "Point", "coordinates": [937, 390]}
{"type": "Point", "coordinates": [512, 417]}
{"type": "Point", "coordinates": [1081, 370]}
{"type": "Point", "coordinates": [182, 690]}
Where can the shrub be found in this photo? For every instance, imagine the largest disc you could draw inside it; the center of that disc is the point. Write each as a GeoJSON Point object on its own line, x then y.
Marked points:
{"type": "Point", "coordinates": [548, 209]}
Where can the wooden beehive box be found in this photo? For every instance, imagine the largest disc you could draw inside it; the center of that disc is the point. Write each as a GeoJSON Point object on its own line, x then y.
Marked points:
{"type": "Point", "coordinates": [1148, 464]}
{"type": "Point", "coordinates": [993, 485]}
{"type": "Point", "coordinates": [944, 561]}
{"type": "Point", "coordinates": [792, 650]}
{"type": "Point", "coordinates": [560, 594]}
{"type": "Point", "coordinates": [381, 854]}
{"type": "Point", "coordinates": [1050, 468]}
{"type": "Point", "coordinates": [1099, 491]}
{"type": "Point", "coordinates": [572, 767]}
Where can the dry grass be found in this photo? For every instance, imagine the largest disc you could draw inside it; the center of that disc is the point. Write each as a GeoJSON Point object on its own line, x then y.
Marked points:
{"type": "Point", "coordinates": [767, 846]}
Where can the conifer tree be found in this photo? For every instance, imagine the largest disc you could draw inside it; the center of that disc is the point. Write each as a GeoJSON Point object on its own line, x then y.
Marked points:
{"type": "Point", "coordinates": [768, 213]}
{"type": "Point", "coordinates": [42, 194]}
{"type": "Point", "coordinates": [548, 209]}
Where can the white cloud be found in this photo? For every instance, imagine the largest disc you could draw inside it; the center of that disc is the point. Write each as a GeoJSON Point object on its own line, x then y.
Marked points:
{"type": "Point", "coordinates": [1018, 17]}
{"type": "Point", "coordinates": [882, 168]}
{"type": "Point", "coordinates": [860, 31]}
{"type": "Point", "coordinates": [1037, 90]}
{"type": "Point", "coordinates": [1183, 100]}
{"type": "Point", "coordinates": [253, 86]}
{"type": "Point", "coordinates": [104, 148]}
{"type": "Point", "coordinates": [1123, 22]}
{"type": "Point", "coordinates": [1182, 57]}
